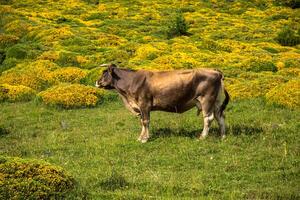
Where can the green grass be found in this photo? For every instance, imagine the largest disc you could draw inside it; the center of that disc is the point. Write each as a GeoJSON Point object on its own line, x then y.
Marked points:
{"type": "Point", "coordinates": [259, 159]}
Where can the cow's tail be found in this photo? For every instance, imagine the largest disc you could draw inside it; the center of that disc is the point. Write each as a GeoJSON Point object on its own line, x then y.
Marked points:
{"type": "Point", "coordinates": [225, 102]}
{"type": "Point", "coordinates": [227, 97]}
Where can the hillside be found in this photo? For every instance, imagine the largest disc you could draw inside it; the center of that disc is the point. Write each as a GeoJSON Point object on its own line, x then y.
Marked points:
{"type": "Point", "coordinates": [252, 42]}
{"type": "Point", "coordinates": [52, 116]}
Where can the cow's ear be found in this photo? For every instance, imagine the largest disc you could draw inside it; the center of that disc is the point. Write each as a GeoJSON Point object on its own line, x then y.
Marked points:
{"type": "Point", "coordinates": [112, 70]}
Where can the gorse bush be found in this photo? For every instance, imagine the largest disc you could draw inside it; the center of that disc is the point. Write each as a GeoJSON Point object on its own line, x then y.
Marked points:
{"type": "Point", "coordinates": [288, 37]}
{"type": "Point", "coordinates": [71, 96]}
{"type": "Point", "coordinates": [8, 40]}
{"type": "Point", "coordinates": [31, 179]}
{"type": "Point", "coordinates": [69, 74]}
{"type": "Point", "coordinates": [16, 93]}
{"type": "Point", "coordinates": [177, 26]}
{"type": "Point", "coordinates": [287, 94]}
{"type": "Point", "coordinates": [252, 85]}
{"type": "Point", "coordinates": [36, 75]}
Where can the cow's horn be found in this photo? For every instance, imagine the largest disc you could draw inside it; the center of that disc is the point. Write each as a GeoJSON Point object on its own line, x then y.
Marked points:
{"type": "Point", "coordinates": [105, 65]}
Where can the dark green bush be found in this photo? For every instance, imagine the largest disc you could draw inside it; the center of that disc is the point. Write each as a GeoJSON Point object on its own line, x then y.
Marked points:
{"type": "Point", "coordinates": [68, 59]}
{"type": "Point", "coordinates": [288, 37]}
{"type": "Point", "coordinates": [177, 26]}
{"type": "Point", "coordinates": [289, 3]}
{"type": "Point", "coordinates": [17, 51]}
{"type": "Point", "coordinates": [2, 56]}
{"type": "Point", "coordinates": [62, 19]}
{"type": "Point", "coordinates": [92, 76]}
{"type": "Point", "coordinates": [97, 15]}
{"type": "Point", "coordinates": [270, 49]}
{"type": "Point", "coordinates": [8, 63]}
{"type": "Point", "coordinates": [262, 66]}
{"type": "Point", "coordinates": [31, 179]}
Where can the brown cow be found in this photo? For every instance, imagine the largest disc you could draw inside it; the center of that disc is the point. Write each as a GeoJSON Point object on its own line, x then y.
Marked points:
{"type": "Point", "coordinates": [172, 91]}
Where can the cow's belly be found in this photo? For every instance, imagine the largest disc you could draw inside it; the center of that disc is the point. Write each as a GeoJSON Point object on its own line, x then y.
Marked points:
{"type": "Point", "coordinates": [176, 108]}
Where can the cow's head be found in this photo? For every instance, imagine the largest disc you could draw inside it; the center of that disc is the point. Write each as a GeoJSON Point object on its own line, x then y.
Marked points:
{"type": "Point", "coordinates": [107, 78]}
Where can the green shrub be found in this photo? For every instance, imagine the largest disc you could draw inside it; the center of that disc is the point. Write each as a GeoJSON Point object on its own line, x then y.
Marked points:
{"type": "Point", "coordinates": [288, 37]}
{"type": "Point", "coordinates": [92, 76]}
{"type": "Point", "coordinates": [8, 63]}
{"type": "Point", "coordinates": [213, 46]}
{"type": "Point", "coordinates": [260, 66]}
{"type": "Point", "coordinates": [177, 26]}
{"type": "Point", "coordinates": [67, 59]}
{"type": "Point", "coordinates": [32, 179]}
{"type": "Point", "coordinates": [2, 56]}
{"type": "Point", "coordinates": [97, 15]}
{"type": "Point", "coordinates": [271, 50]}
{"type": "Point", "coordinates": [17, 51]}
{"type": "Point", "coordinates": [289, 3]}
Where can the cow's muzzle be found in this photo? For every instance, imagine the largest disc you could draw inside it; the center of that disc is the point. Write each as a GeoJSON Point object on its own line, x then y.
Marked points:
{"type": "Point", "coordinates": [97, 84]}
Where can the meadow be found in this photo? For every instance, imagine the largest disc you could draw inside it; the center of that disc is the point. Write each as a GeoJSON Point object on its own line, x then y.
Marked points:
{"type": "Point", "coordinates": [62, 138]}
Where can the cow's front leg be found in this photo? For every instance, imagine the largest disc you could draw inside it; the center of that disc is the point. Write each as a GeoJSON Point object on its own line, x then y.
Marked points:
{"type": "Point", "coordinates": [145, 120]}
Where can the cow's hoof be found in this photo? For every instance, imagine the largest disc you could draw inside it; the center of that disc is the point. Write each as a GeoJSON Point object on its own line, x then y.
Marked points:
{"type": "Point", "coordinates": [143, 140]}
{"type": "Point", "coordinates": [201, 137]}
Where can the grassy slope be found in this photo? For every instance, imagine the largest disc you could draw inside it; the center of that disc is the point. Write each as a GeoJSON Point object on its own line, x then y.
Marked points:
{"type": "Point", "coordinates": [259, 158]}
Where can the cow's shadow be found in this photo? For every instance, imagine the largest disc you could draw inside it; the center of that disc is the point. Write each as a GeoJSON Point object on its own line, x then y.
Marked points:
{"type": "Point", "coordinates": [235, 130]}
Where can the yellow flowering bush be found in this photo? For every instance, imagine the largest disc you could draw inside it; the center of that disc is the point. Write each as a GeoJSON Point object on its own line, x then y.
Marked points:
{"type": "Point", "coordinates": [68, 74]}
{"type": "Point", "coordinates": [13, 93]}
{"type": "Point", "coordinates": [18, 27]}
{"type": "Point", "coordinates": [250, 86]}
{"type": "Point", "coordinates": [109, 40]}
{"type": "Point", "coordinates": [178, 60]}
{"type": "Point", "coordinates": [6, 40]}
{"type": "Point", "coordinates": [32, 179]}
{"type": "Point", "coordinates": [293, 72]}
{"type": "Point", "coordinates": [52, 35]}
{"type": "Point", "coordinates": [287, 94]}
{"type": "Point", "coordinates": [71, 96]}
{"type": "Point", "coordinates": [49, 55]}
{"type": "Point", "coordinates": [146, 52]}
{"type": "Point", "coordinates": [36, 75]}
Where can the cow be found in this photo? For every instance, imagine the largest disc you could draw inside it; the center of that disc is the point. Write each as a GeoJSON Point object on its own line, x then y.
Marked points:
{"type": "Point", "coordinates": [177, 91]}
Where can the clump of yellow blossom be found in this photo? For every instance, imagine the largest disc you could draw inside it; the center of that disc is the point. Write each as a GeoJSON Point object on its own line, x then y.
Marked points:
{"type": "Point", "coordinates": [69, 74]}
{"type": "Point", "coordinates": [13, 93]}
{"type": "Point", "coordinates": [36, 75]}
{"type": "Point", "coordinates": [71, 96]}
{"type": "Point", "coordinates": [287, 94]}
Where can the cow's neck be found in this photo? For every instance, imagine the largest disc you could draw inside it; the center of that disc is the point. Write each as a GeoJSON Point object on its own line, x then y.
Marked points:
{"type": "Point", "coordinates": [122, 84]}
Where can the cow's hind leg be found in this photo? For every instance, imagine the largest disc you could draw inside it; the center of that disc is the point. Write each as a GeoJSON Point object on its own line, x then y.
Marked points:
{"type": "Point", "coordinates": [145, 121]}
{"type": "Point", "coordinates": [221, 122]}
{"type": "Point", "coordinates": [208, 115]}
{"type": "Point", "coordinates": [208, 118]}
